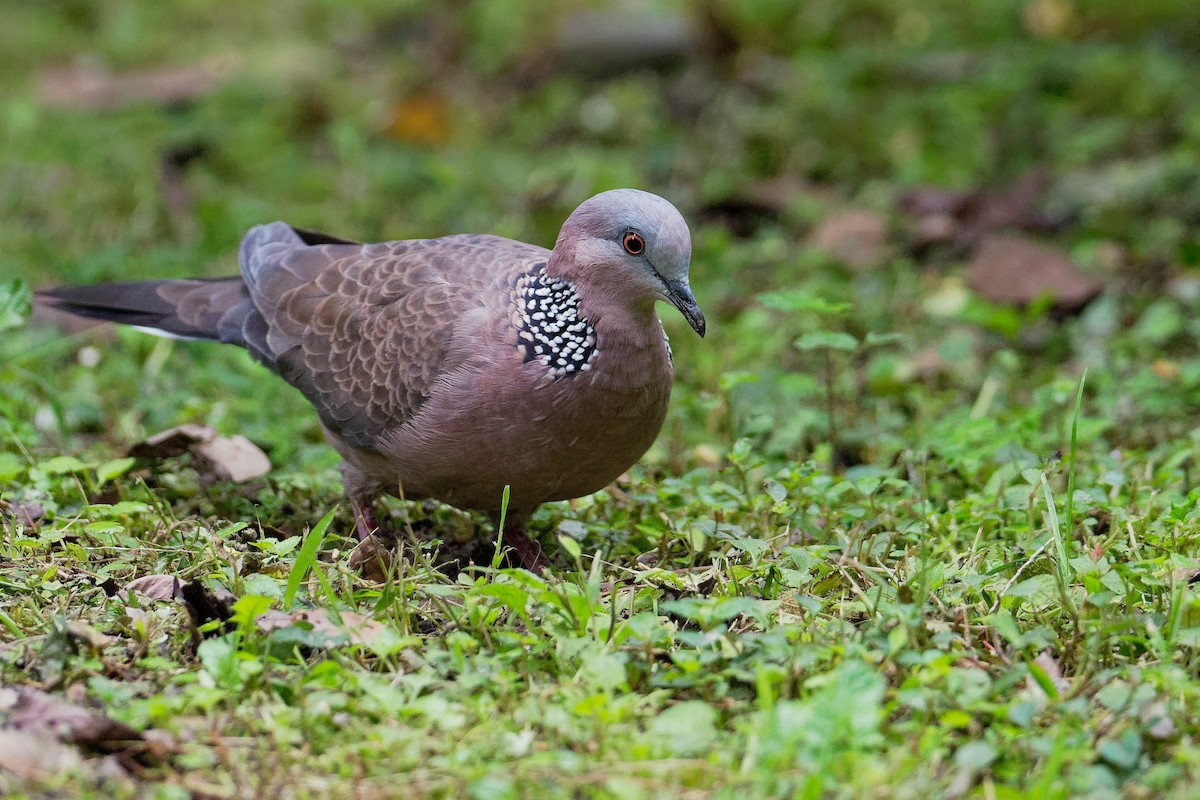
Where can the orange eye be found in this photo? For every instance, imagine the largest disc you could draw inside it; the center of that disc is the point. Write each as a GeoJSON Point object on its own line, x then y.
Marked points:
{"type": "Point", "coordinates": [634, 244]}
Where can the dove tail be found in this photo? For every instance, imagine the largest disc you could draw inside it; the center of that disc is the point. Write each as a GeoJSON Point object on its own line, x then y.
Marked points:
{"type": "Point", "coordinates": [180, 309]}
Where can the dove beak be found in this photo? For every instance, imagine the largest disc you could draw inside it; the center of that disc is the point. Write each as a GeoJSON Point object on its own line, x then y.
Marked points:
{"type": "Point", "coordinates": [679, 294]}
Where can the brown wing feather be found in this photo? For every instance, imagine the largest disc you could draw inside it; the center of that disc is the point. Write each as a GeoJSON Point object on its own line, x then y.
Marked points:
{"type": "Point", "coordinates": [364, 330]}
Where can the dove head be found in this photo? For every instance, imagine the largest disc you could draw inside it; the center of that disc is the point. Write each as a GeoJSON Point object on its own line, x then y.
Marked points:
{"type": "Point", "coordinates": [634, 246]}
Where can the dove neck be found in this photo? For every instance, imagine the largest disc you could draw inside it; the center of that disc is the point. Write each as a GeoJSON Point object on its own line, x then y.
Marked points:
{"type": "Point", "coordinates": [608, 299]}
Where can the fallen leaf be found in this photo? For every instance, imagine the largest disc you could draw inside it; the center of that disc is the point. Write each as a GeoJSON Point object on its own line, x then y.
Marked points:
{"type": "Point", "coordinates": [35, 713]}
{"type": "Point", "coordinates": [372, 558]}
{"type": "Point", "coordinates": [926, 201]}
{"type": "Point", "coordinates": [422, 118]}
{"type": "Point", "coordinates": [26, 514]}
{"type": "Point", "coordinates": [1167, 370]}
{"type": "Point", "coordinates": [1012, 270]}
{"type": "Point", "coordinates": [358, 629]}
{"type": "Point", "coordinates": [86, 635]}
{"type": "Point", "coordinates": [157, 587]}
{"type": "Point", "coordinates": [32, 756]}
{"type": "Point", "coordinates": [857, 238]}
{"type": "Point", "coordinates": [1014, 206]}
{"type": "Point", "coordinates": [233, 458]}
{"type": "Point", "coordinates": [1157, 721]}
{"type": "Point", "coordinates": [91, 87]}
{"type": "Point", "coordinates": [935, 229]}
{"type": "Point", "coordinates": [1049, 19]}
{"type": "Point", "coordinates": [205, 604]}
{"type": "Point", "coordinates": [962, 218]}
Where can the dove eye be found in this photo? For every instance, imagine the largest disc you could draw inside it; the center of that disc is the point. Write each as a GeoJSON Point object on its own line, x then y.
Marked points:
{"type": "Point", "coordinates": [634, 244]}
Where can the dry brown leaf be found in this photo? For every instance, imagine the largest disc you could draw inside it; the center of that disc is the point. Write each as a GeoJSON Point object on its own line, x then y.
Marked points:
{"type": "Point", "coordinates": [233, 458]}
{"type": "Point", "coordinates": [32, 756]}
{"type": "Point", "coordinates": [237, 458]}
{"type": "Point", "coordinates": [372, 558]}
{"type": "Point", "coordinates": [857, 238]}
{"type": "Point", "coordinates": [1049, 19]}
{"type": "Point", "coordinates": [25, 514]}
{"type": "Point", "coordinates": [1167, 370]}
{"type": "Point", "coordinates": [962, 218]}
{"type": "Point", "coordinates": [37, 714]}
{"type": "Point", "coordinates": [1014, 270]}
{"type": "Point", "coordinates": [88, 636]}
{"type": "Point", "coordinates": [89, 86]}
{"type": "Point", "coordinates": [1158, 722]}
{"type": "Point", "coordinates": [359, 629]}
{"type": "Point", "coordinates": [421, 118]}
{"type": "Point", "coordinates": [206, 605]}
{"type": "Point", "coordinates": [156, 587]}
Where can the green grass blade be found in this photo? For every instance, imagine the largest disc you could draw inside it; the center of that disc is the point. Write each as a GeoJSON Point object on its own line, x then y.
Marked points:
{"type": "Point", "coordinates": [306, 557]}
{"type": "Point", "coordinates": [498, 555]}
{"type": "Point", "coordinates": [1069, 510]}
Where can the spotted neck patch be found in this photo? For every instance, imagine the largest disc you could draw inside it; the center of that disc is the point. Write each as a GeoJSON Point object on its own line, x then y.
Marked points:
{"type": "Point", "coordinates": [549, 326]}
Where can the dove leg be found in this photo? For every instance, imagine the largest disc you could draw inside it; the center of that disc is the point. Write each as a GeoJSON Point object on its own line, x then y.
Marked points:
{"type": "Point", "coordinates": [527, 551]}
{"type": "Point", "coordinates": [362, 492]}
{"type": "Point", "coordinates": [364, 519]}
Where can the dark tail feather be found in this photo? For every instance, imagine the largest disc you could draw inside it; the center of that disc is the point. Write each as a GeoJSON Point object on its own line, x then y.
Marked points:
{"type": "Point", "coordinates": [190, 309]}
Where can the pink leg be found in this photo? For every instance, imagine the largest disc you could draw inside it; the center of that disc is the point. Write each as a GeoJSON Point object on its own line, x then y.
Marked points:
{"type": "Point", "coordinates": [364, 520]}
{"type": "Point", "coordinates": [528, 552]}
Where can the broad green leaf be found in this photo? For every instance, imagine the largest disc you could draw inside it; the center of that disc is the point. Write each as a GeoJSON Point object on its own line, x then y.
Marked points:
{"type": "Point", "coordinates": [799, 300]}
{"type": "Point", "coordinates": [15, 299]}
{"type": "Point", "coordinates": [826, 340]}
{"type": "Point", "coordinates": [113, 469]}
{"type": "Point", "coordinates": [62, 465]}
{"type": "Point", "coordinates": [685, 729]}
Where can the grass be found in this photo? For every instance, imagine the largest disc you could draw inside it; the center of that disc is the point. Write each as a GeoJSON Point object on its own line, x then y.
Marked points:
{"type": "Point", "coordinates": [890, 542]}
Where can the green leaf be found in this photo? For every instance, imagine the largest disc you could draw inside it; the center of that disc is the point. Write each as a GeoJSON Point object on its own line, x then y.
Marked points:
{"type": "Point", "coordinates": [219, 658]}
{"type": "Point", "coordinates": [15, 301]}
{"type": "Point", "coordinates": [826, 340]}
{"type": "Point", "coordinates": [709, 610]}
{"type": "Point", "coordinates": [1122, 752]}
{"type": "Point", "coordinates": [799, 300]}
{"type": "Point", "coordinates": [12, 467]}
{"type": "Point", "coordinates": [873, 339]}
{"type": "Point", "coordinates": [604, 671]}
{"type": "Point", "coordinates": [685, 729]}
{"type": "Point", "coordinates": [1043, 679]}
{"type": "Point", "coordinates": [249, 608]}
{"type": "Point", "coordinates": [1040, 587]}
{"type": "Point", "coordinates": [974, 756]}
{"type": "Point", "coordinates": [1006, 625]}
{"type": "Point", "coordinates": [731, 379]}
{"type": "Point", "coordinates": [306, 558]}
{"type": "Point", "coordinates": [571, 546]}
{"type": "Point", "coordinates": [509, 594]}
{"type": "Point", "coordinates": [62, 465]}
{"type": "Point", "coordinates": [113, 469]}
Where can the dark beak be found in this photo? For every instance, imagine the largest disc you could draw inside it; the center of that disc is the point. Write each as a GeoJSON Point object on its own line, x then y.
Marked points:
{"type": "Point", "coordinates": [680, 295]}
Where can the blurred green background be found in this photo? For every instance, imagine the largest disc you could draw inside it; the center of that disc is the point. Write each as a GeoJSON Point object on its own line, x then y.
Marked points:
{"type": "Point", "coordinates": [142, 139]}
{"type": "Point", "coordinates": [145, 137]}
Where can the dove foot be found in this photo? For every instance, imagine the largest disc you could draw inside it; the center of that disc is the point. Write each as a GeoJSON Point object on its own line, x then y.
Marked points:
{"type": "Point", "coordinates": [527, 551]}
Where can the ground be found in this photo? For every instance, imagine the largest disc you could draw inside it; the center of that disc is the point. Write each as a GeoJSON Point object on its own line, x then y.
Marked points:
{"type": "Point", "coordinates": [918, 525]}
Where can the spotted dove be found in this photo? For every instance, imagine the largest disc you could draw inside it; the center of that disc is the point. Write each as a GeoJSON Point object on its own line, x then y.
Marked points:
{"type": "Point", "coordinates": [450, 368]}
